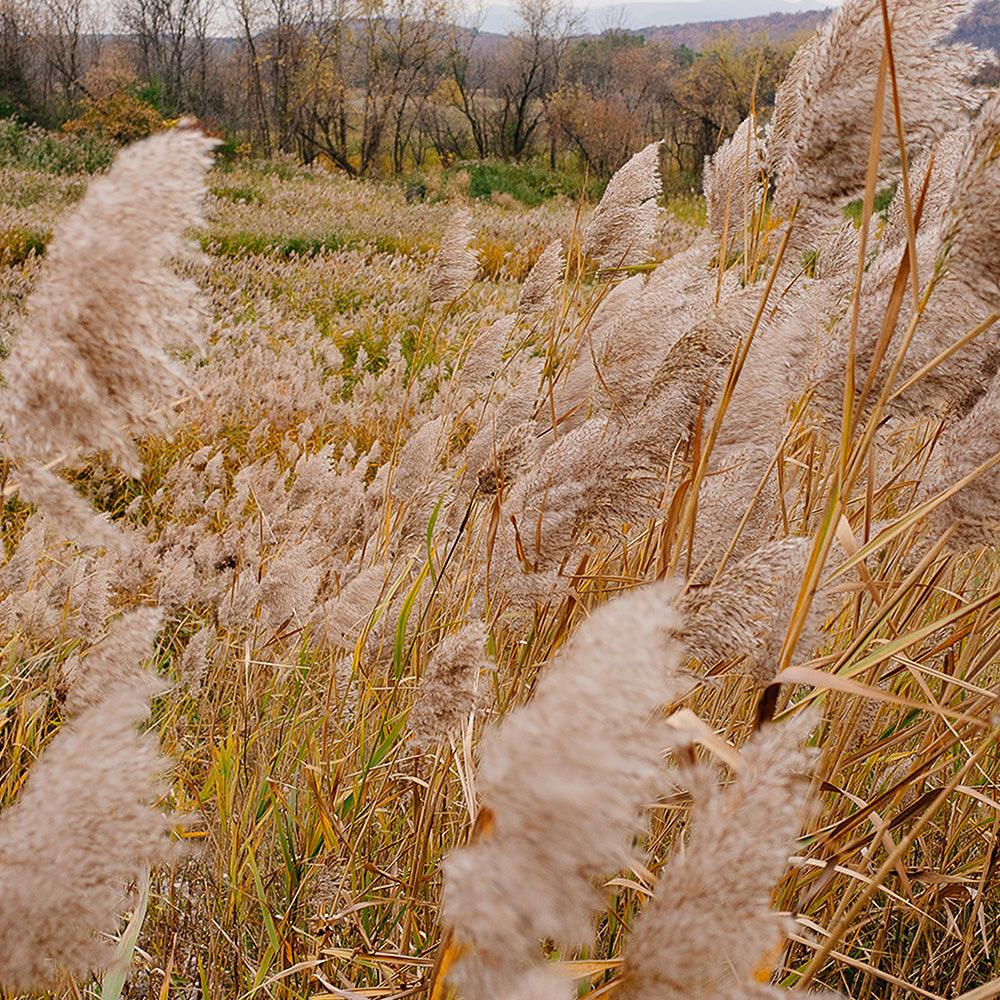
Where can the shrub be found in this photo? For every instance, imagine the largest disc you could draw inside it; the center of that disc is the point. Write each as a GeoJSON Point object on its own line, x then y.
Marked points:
{"type": "Point", "coordinates": [121, 118]}
{"type": "Point", "coordinates": [530, 185]}
{"type": "Point", "coordinates": [240, 193]}
{"type": "Point", "coordinates": [33, 148]}
{"type": "Point", "coordinates": [883, 199]}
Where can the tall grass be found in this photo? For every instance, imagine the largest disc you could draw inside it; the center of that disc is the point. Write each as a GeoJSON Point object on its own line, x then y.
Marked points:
{"type": "Point", "coordinates": [629, 629]}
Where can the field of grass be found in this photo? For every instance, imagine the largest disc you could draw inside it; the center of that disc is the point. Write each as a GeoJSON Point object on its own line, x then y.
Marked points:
{"type": "Point", "coordinates": [521, 569]}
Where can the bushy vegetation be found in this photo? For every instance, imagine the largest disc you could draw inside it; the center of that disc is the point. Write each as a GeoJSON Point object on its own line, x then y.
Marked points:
{"type": "Point", "coordinates": [33, 148]}
{"type": "Point", "coordinates": [530, 185]}
{"type": "Point", "coordinates": [120, 117]}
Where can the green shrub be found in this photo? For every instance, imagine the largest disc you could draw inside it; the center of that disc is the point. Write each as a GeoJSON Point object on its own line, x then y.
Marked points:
{"type": "Point", "coordinates": [239, 244]}
{"type": "Point", "coordinates": [230, 151]}
{"type": "Point", "coordinates": [31, 148]}
{"type": "Point", "coordinates": [527, 183]}
{"type": "Point", "coordinates": [120, 118]}
{"type": "Point", "coordinates": [688, 209]}
{"type": "Point", "coordinates": [415, 189]}
{"type": "Point", "coordinates": [285, 169]}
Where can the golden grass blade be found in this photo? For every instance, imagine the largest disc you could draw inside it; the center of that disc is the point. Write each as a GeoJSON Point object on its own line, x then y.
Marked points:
{"type": "Point", "coordinates": [912, 217]}
{"type": "Point", "coordinates": [847, 913]}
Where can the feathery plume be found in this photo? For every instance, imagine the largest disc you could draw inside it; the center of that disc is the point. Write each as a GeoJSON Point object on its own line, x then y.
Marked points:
{"type": "Point", "coordinates": [732, 181]}
{"type": "Point", "coordinates": [710, 922]}
{"type": "Point", "coordinates": [746, 612]}
{"type": "Point", "coordinates": [694, 367]}
{"type": "Point", "coordinates": [23, 558]}
{"type": "Point", "coordinates": [619, 301]}
{"type": "Point", "coordinates": [89, 370]}
{"type": "Point", "coordinates": [787, 108]}
{"type": "Point", "coordinates": [197, 657]}
{"type": "Point", "coordinates": [66, 512]}
{"type": "Point", "coordinates": [448, 688]}
{"type": "Point", "coordinates": [370, 604]}
{"type": "Point", "coordinates": [277, 591]}
{"type": "Point", "coordinates": [629, 352]}
{"type": "Point", "coordinates": [621, 231]}
{"type": "Point", "coordinates": [417, 481]}
{"type": "Point", "coordinates": [418, 460]}
{"type": "Point", "coordinates": [455, 266]}
{"type": "Point", "coordinates": [543, 279]}
{"type": "Point", "coordinates": [595, 478]}
{"type": "Point", "coordinates": [784, 353]}
{"type": "Point", "coordinates": [481, 363]}
{"type": "Point", "coordinates": [740, 492]}
{"type": "Point", "coordinates": [967, 294]}
{"type": "Point", "coordinates": [114, 661]}
{"type": "Point", "coordinates": [837, 255]}
{"type": "Point", "coordinates": [512, 405]}
{"type": "Point", "coordinates": [607, 472]}
{"type": "Point", "coordinates": [514, 456]}
{"type": "Point", "coordinates": [563, 780]}
{"type": "Point", "coordinates": [971, 235]}
{"type": "Point", "coordinates": [574, 389]}
{"type": "Point", "coordinates": [81, 833]}
{"type": "Point", "coordinates": [823, 160]}
{"type": "Point", "coordinates": [965, 445]}
{"type": "Point", "coordinates": [342, 619]}
{"type": "Point", "coordinates": [943, 163]}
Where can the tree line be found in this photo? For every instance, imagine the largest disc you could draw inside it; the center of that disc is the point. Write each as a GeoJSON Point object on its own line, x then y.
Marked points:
{"type": "Point", "coordinates": [383, 87]}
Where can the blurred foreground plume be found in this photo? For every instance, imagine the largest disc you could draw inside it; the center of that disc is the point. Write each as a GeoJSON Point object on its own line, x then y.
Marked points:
{"type": "Point", "coordinates": [84, 829]}
{"type": "Point", "coordinates": [710, 923]}
{"type": "Point", "coordinates": [89, 370]}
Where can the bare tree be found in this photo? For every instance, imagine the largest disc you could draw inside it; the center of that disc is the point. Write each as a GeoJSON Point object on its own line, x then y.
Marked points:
{"type": "Point", "coordinates": [532, 70]}
{"type": "Point", "coordinates": [323, 119]}
{"type": "Point", "coordinates": [15, 38]}
{"type": "Point", "coordinates": [369, 75]}
{"type": "Point", "coordinates": [62, 26]}
{"type": "Point", "coordinates": [248, 15]}
{"type": "Point", "coordinates": [472, 68]}
{"type": "Point", "coordinates": [503, 91]}
{"type": "Point", "coordinates": [163, 31]}
{"type": "Point", "coordinates": [280, 50]}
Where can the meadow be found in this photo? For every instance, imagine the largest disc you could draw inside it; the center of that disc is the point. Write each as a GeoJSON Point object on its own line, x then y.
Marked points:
{"type": "Point", "coordinates": [452, 597]}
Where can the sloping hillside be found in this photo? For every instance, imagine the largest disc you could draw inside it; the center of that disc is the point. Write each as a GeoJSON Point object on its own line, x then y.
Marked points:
{"type": "Point", "coordinates": [777, 27]}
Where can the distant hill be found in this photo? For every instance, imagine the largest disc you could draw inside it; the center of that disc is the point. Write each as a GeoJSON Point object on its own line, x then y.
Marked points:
{"type": "Point", "coordinates": [776, 27]}
{"type": "Point", "coordinates": [693, 22]}
{"type": "Point", "coordinates": [641, 14]}
{"type": "Point", "coordinates": [980, 28]}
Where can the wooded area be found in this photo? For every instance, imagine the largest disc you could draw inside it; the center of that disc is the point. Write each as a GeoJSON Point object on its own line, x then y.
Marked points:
{"type": "Point", "coordinates": [382, 87]}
